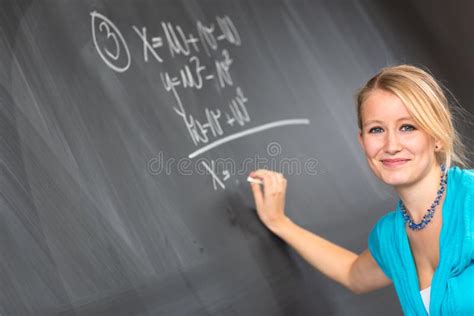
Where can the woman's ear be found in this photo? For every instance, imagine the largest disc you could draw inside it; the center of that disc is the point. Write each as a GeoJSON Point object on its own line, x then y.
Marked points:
{"type": "Point", "coordinates": [438, 145]}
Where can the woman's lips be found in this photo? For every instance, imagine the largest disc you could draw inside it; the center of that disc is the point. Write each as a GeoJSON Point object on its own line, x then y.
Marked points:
{"type": "Point", "coordinates": [394, 162]}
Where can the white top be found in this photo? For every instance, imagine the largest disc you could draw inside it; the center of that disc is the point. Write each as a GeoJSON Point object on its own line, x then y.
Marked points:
{"type": "Point", "coordinates": [425, 296]}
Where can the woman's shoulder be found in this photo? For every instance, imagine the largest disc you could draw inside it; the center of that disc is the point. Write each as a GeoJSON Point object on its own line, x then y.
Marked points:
{"type": "Point", "coordinates": [464, 178]}
{"type": "Point", "coordinates": [385, 225]}
{"type": "Point", "coordinates": [462, 172]}
{"type": "Point", "coordinates": [461, 182]}
{"type": "Point", "coordinates": [388, 219]}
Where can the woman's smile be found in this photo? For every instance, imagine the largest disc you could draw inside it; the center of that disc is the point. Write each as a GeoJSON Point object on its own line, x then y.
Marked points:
{"type": "Point", "coordinates": [394, 162]}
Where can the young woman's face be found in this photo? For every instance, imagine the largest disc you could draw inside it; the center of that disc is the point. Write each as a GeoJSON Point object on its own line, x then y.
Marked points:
{"type": "Point", "coordinates": [397, 150]}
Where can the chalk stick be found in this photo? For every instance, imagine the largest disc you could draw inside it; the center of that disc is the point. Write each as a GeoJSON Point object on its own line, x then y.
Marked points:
{"type": "Point", "coordinates": [254, 180]}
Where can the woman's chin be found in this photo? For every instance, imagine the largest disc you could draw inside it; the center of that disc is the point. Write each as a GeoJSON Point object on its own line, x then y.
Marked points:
{"type": "Point", "coordinates": [393, 178]}
{"type": "Point", "coordinates": [394, 182]}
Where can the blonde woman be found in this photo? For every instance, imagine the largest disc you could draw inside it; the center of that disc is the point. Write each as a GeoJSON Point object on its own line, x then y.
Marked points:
{"type": "Point", "coordinates": [425, 247]}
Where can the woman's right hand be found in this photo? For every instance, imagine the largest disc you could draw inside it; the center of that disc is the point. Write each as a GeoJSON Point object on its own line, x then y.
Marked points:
{"type": "Point", "coordinates": [270, 202]}
{"type": "Point", "coordinates": [358, 273]}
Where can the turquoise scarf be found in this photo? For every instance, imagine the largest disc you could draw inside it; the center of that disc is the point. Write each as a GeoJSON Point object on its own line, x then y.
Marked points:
{"type": "Point", "coordinates": [452, 286]}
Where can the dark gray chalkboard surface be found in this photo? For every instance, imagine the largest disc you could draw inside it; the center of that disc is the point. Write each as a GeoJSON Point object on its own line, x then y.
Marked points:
{"type": "Point", "coordinates": [128, 129]}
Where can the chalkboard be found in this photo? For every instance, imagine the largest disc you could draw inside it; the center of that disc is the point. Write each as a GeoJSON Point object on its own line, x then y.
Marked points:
{"type": "Point", "coordinates": [128, 129]}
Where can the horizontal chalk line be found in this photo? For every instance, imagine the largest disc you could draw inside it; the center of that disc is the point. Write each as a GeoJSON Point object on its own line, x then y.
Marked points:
{"type": "Point", "coordinates": [246, 133]}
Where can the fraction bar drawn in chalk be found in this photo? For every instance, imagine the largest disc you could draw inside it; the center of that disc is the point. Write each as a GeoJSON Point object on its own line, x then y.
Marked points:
{"type": "Point", "coordinates": [246, 133]}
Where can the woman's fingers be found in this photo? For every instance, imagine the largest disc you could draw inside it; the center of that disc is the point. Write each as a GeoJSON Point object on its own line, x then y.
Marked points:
{"type": "Point", "coordinates": [269, 200]}
{"type": "Point", "coordinates": [257, 194]}
{"type": "Point", "coordinates": [273, 182]}
{"type": "Point", "coordinates": [281, 181]}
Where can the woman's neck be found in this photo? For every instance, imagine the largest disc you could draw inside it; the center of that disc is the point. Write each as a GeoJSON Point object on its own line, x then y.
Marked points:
{"type": "Point", "coordinates": [419, 196]}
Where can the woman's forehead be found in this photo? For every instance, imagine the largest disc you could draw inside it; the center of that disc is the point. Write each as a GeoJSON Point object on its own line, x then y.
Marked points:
{"type": "Point", "coordinates": [382, 105]}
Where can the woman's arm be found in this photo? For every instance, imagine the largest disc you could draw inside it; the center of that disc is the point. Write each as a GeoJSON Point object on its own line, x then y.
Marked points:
{"type": "Point", "coordinates": [359, 273]}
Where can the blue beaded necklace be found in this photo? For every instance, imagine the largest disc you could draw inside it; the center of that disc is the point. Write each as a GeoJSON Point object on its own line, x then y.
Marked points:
{"type": "Point", "coordinates": [430, 212]}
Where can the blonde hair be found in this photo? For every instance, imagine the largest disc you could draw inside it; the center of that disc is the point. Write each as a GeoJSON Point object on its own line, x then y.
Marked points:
{"type": "Point", "coordinates": [426, 102]}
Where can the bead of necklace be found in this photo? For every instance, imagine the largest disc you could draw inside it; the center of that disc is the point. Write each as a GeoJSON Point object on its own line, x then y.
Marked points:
{"type": "Point", "coordinates": [429, 212]}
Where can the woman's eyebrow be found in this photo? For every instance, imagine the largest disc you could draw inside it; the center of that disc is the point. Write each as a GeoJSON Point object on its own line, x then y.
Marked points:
{"type": "Point", "coordinates": [381, 122]}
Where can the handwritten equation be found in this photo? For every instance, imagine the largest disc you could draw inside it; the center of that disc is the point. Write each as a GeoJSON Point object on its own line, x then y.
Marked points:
{"type": "Point", "coordinates": [207, 55]}
{"type": "Point", "coordinates": [171, 41]}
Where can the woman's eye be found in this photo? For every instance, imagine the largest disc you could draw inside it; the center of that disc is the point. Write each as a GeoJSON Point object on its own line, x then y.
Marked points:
{"type": "Point", "coordinates": [375, 130]}
{"type": "Point", "coordinates": [408, 127]}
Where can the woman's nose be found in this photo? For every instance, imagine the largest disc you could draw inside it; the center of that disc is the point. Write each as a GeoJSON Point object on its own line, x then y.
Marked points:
{"type": "Point", "coordinates": [392, 142]}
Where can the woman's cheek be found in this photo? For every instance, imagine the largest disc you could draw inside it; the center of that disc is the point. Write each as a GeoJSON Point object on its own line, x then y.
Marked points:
{"type": "Point", "coordinates": [372, 147]}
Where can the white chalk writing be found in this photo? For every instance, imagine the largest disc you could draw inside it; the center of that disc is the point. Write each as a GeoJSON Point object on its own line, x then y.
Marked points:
{"type": "Point", "coordinates": [203, 60]}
